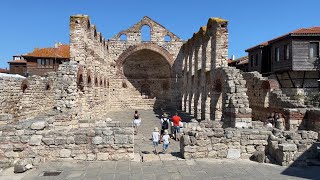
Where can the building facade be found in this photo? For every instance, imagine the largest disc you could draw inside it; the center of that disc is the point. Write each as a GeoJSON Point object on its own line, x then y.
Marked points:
{"type": "Point", "coordinates": [40, 61]}
{"type": "Point", "coordinates": [291, 59]}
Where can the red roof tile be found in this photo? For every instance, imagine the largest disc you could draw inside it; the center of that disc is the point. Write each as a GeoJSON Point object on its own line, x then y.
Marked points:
{"type": "Point", "coordinates": [4, 70]}
{"type": "Point", "coordinates": [63, 51]}
{"type": "Point", "coordinates": [312, 30]}
{"type": "Point", "coordinates": [302, 31]}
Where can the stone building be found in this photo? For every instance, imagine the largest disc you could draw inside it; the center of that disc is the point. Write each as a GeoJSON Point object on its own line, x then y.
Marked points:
{"type": "Point", "coordinates": [291, 59]}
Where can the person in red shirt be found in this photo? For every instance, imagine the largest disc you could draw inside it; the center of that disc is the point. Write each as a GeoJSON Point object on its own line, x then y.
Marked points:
{"type": "Point", "coordinates": [176, 126]}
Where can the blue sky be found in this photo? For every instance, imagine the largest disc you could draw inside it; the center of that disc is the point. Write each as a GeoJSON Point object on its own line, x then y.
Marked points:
{"type": "Point", "coordinates": [27, 24]}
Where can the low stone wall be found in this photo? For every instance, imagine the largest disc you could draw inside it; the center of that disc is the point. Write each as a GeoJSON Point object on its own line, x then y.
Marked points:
{"type": "Point", "coordinates": [38, 140]}
{"type": "Point", "coordinates": [284, 147]}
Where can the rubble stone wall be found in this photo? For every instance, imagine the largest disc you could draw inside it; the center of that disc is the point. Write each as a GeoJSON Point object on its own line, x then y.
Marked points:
{"type": "Point", "coordinates": [25, 97]}
{"type": "Point", "coordinates": [265, 97]}
{"type": "Point", "coordinates": [38, 140]}
{"type": "Point", "coordinates": [284, 147]}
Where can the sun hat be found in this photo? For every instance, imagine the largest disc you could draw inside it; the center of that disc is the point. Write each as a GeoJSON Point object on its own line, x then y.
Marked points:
{"type": "Point", "coordinates": [156, 129]}
{"type": "Point", "coordinates": [165, 131]}
{"type": "Point", "coordinates": [165, 115]}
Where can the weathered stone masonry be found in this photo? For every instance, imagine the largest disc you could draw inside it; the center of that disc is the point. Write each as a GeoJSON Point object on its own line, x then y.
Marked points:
{"type": "Point", "coordinates": [212, 90]}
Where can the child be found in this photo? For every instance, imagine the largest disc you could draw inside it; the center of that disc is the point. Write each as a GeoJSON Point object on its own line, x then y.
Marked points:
{"type": "Point", "coordinates": [155, 139]}
{"type": "Point", "coordinates": [136, 121]}
{"type": "Point", "coordinates": [165, 139]}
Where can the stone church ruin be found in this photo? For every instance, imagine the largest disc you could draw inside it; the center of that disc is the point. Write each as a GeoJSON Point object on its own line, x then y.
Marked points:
{"type": "Point", "coordinates": [60, 115]}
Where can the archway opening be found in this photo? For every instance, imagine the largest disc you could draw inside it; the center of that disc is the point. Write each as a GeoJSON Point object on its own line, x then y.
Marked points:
{"type": "Point", "coordinates": [148, 73]}
{"type": "Point", "coordinates": [217, 100]}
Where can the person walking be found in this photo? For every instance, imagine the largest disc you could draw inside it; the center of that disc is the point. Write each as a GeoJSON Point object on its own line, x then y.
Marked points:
{"type": "Point", "coordinates": [155, 139]}
{"type": "Point", "coordinates": [166, 142]}
{"type": "Point", "coordinates": [164, 122]}
{"type": "Point", "coordinates": [176, 119]}
{"type": "Point", "coordinates": [136, 121]}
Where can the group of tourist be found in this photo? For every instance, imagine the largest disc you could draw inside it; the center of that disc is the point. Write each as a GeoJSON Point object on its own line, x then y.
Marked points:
{"type": "Point", "coordinates": [170, 128]}
{"type": "Point", "coordinates": [276, 120]}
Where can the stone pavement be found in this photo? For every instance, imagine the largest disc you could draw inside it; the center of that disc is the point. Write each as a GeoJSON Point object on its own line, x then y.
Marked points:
{"type": "Point", "coordinates": [143, 143]}
{"type": "Point", "coordinates": [162, 170]}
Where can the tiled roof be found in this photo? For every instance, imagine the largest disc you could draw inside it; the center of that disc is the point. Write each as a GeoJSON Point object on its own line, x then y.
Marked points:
{"type": "Point", "coordinates": [18, 61]}
{"type": "Point", "coordinates": [63, 51]}
{"type": "Point", "coordinates": [303, 31]}
{"type": "Point", "coordinates": [312, 30]}
{"type": "Point", "coordinates": [4, 70]}
{"type": "Point", "coordinates": [242, 60]}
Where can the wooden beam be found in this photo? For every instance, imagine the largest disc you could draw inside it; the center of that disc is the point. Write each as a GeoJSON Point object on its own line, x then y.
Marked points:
{"type": "Point", "coordinates": [291, 80]}
{"type": "Point", "coordinates": [304, 76]}
{"type": "Point", "coordinates": [278, 80]}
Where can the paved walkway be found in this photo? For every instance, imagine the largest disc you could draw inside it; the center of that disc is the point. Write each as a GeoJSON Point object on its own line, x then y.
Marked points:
{"type": "Point", "coordinates": [165, 170]}
{"type": "Point", "coordinates": [143, 143]}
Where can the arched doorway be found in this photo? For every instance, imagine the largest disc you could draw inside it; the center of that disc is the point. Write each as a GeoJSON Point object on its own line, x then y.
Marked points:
{"type": "Point", "coordinates": [149, 75]}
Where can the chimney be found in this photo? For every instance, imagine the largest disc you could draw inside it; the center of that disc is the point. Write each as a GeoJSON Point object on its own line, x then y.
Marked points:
{"type": "Point", "coordinates": [57, 44]}
{"type": "Point", "coordinates": [233, 57]}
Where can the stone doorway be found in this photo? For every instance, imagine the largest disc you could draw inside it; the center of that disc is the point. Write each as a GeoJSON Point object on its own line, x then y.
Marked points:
{"type": "Point", "coordinates": [148, 74]}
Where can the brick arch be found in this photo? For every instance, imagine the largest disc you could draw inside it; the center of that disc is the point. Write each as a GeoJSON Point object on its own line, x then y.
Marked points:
{"type": "Point", "coordinates": [228, 95]}
{"type": "Point", "coordinates": [270, 84]}
{"type": "Point", "coordinates": [148, 46]}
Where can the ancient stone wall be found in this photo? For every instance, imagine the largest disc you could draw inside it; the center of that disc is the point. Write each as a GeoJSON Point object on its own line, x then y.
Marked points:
{"type": "Point", "coordinates": [282, 147]}
{"type": "Point", "coordinates": [146, 86]}
{"type": "Point", "coordinates": [23, 98]}
{"type": "Point", "coordinates": [38, 140]}
{"type": "Point", "coordinates": [89, 50]}
{"type": "Point", "coordinates": [212, 90]}
{"type": "Point", "coordinates": [266, 97]}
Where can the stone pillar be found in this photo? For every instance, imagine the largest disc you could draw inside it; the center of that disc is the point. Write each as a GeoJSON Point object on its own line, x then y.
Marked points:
{"type": "Point", "coordinates": [78, 30]}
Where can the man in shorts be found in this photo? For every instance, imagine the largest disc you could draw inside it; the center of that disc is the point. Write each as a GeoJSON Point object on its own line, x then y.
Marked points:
{"type": "Point", "coordinates": [176, 126]}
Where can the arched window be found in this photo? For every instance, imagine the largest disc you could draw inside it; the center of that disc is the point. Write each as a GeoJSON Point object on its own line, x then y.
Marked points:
{"type": "Point", "coordinates": [105, 83]}
{"type": "Point", "coordinates": [101, 82]}
{"type": "Point", "coordinates": [89, 80]}
{"type": "Point", "coordinates": [145, 33]}
{"type": "Point", "coordinates": [80, 83]}
{"type": "Point", "coordinates": [167, 38]}
{"type": "Point", "coordinates": [145, 91]}
{"type": "Point", "coordinates": [24, 88]}
{"type": "Point", "coordinates": [24, 85]}
{"type": "Point", "coordinates": [124, 84]}
{"type": "Point", "coordinates": [123, 37]}
{"type": "Point", "coordinates": [48, 87]}
{"type": "Point", "coordinates": [96, 81]}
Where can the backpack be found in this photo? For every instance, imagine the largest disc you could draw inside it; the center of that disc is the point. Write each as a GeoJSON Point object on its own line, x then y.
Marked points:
{"type": "Point", "coordinates": [165, 124]}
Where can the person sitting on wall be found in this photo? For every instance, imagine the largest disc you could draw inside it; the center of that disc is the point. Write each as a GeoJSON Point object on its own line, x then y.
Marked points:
{"type": "Point", "coordinates": [136, 121]}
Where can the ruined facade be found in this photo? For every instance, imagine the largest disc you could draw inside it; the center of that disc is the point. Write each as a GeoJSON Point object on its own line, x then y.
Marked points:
{"type": "Point", "coordinates": [126, 72]}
